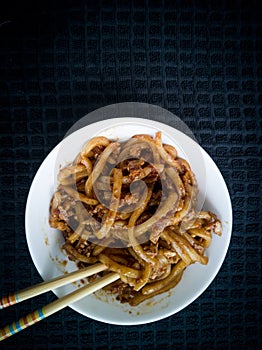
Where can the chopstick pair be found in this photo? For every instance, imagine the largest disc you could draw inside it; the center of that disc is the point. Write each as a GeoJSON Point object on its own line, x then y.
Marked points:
{"type": "Point", "coordinates": [59, 304]}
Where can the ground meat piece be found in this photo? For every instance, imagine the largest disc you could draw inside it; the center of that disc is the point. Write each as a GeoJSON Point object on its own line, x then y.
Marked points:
{"type": "Point", "coordinates": [63, 214]}
{"type": "Point", "coordinates": [155, 198]}
{"type": "Point", "coordinates": [135, 164]}
{"type": "Point", "coordinates": [134, 168]}
{"type": "Point", "coordinates": [97, 151]}
{"type": "Point", "coordinates": [214, 226]}
{"type": "Point", "coordinates": [199, 248]}
{"type": "Point", "coordinates": [59, 225]}
{"type": "Point", "coordinates": [187, 178]}
{"type": "Point", "coordinates": [117, 287]}
{"type": "Point", "coordinates": [55, 220]}
{"type": "Point", "coordinates": [99, 211]}
{"type": "Point", "coordinates": [144, 217]}
{"type": "Point", "coordinates": [152, 177]}
{"type": "Point", "coordinates": [124, 292]}
{"type": "Point", "coordinates": [85, 248]}
{"type": "Point", "coordinates": [159, 226]}
{"type": "Point", "coordinates": [129, 199]}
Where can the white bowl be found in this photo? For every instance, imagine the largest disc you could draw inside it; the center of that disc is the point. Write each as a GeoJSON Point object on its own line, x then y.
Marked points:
{"type": "Point", "coordinates": [45, 243]}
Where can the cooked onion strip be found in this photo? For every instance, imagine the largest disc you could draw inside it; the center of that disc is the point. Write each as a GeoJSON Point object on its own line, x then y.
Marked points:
{"type": "Point", "coordinates": [171, 150]}
{"type": "Point", "coordinates": [111, 215]}
{"type": "Point", "coordinates": [161, 150]}
{"type": "Point", "coordinates": [121, 269]}
{"type": "Point", "coordinates": [155, 286]}
{"type": "Point", "coordinates": [162, 212]}
{"type": "Point", "coordinates": [174, 176]}
{"type": "Point", "coordinates": [139, 298]}
{"type": "Point", "coordinates": [131, 224]}
{"type": "Point", "coordinates": [99, 167]}
{"type": "Point", "coordinates": [79, 196]}
{"type": "Point", "coordinates": [94, 142]}
{"type": "Point", "coordinates": [72, 174]}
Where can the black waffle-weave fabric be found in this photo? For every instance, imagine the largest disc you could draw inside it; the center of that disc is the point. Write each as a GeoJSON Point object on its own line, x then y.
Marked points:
{"type": "Point", "coordinates": [202, 61]}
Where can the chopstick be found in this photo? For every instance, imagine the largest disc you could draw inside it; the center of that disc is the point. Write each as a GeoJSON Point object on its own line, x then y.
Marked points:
{"type": "Point", "coordinates": [44, 287]}
{"type": "Point", "coordinates": [41, 313]}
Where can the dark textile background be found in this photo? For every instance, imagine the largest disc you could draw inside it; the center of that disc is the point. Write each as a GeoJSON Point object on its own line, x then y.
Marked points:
{"type": "Point", "coordinates": [201, 60]}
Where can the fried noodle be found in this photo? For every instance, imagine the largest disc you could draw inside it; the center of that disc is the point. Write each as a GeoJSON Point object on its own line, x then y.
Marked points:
{"type": "Point", "coordinates": [132, 207]}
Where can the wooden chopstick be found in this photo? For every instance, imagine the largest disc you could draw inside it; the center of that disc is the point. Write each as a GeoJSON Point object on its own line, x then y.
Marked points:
{"type": "Point", "coordinates": [44, 287]}
{"type": "Point", "coordinates": [41, 313]}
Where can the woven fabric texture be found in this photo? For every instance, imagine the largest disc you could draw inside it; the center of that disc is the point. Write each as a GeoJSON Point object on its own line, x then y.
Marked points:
{"type": "Point", "coordinates": [202, 61]}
